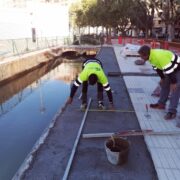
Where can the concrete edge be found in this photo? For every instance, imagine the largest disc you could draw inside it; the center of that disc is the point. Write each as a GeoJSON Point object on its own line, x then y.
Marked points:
{"type": "Point", "coordinates": [30, 157]}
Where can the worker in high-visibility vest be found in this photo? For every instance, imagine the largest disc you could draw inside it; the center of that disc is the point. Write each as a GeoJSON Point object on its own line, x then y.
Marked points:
{"type": "Point", "coordinates": [92, 74]}
{"type": "Point", "coordinates": [167, 65]}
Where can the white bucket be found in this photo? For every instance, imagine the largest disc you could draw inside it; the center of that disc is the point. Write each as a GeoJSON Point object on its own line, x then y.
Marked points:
{"type": "Point", "coordinates": [117, 150]}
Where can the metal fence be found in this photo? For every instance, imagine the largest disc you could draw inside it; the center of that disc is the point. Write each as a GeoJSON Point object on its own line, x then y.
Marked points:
{"type": "Point", "coordinates": [11, 47]}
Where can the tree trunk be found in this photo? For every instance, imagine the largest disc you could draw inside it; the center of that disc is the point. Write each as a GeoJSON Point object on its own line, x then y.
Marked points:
{"type": "Point", "coordinates": [107, 33]}
{"type": "Point", "coordinates": [110, 31]}
{"type": "Point", "coordinates": [146, 36]}
{"type": "Point", "coordinates": [96, 30]}
{"type": "Point", "coordinates": [103, 29]}
{"type": "Point", "coordinates": [170, 32]}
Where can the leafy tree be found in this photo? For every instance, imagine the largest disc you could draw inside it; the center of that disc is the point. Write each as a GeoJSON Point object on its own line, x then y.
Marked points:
{"type": "Point", "coordinates": [82, 13]}
{"type": "Point", "coordinates": [123, 14]}
{"type": "Point", "coordinates": [170, 15]}
{"type": "Point", "coordinates": [143, 14]}
{"type": "Point", "coordinates": [113, 14]}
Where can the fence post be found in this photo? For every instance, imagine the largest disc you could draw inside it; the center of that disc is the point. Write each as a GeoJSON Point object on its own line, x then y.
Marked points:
{"type": "Point", "coordinates": [108, 40]}
{"type": "Point", "coordinates": [141, 42]}
{"type": "Point", "coordinates": [119, 39]}
{"type": "Point", "coordinates": [27, 47]}
{"type": "Point", "coordinates": [152, 44]}
{"type": "Point", "coordinates": [130, 40]}
{"type": "Point", "coordinates": [14, 47]}
{"type": "Point", "coordinates": [166, 45]}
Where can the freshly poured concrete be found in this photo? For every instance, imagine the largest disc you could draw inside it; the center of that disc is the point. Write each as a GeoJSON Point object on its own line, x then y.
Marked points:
{"type": "Point", "coordinates": [90, 161]}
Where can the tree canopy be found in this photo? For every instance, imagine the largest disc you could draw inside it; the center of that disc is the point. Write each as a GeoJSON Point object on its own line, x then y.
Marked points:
{"type": "Point", "coordinates": [122, 14]}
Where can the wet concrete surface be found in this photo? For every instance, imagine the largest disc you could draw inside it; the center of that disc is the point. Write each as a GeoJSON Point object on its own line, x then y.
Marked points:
{"type": "Point", "coordinates": [90, 161]}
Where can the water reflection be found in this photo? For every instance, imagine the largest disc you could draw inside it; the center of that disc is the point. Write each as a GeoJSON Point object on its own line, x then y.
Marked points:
{"type": "Point", "coordinates": [42, 105]}
{"type": "Point", "coordinates": [28, 105]}
{"type": "Point", "coordinates": [68, 71]}
{"type": "Point", "coordinates": [22, 87]}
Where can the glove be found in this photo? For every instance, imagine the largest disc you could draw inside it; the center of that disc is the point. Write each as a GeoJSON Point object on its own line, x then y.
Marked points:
{"type": "Point", "coordinates": [69, 101]}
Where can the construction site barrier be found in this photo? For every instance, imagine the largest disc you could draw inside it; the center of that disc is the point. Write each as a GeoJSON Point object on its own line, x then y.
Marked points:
{"type": "Point", "coordinates": [140, 41]}
{"type": "Point", "coordinates": [120, 40]}
{"type": "Point", "coordinates": [155, 44]}
{"type": "Point", "coordinates": [128, 40]}
{"type": "Point", "coordinates": [166, 45]}
{"type": "Point", "coordinates": [108, 40]}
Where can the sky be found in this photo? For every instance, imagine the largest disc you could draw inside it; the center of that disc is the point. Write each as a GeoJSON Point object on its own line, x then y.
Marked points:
{"type": "Point", "coordinates": [47, 19]}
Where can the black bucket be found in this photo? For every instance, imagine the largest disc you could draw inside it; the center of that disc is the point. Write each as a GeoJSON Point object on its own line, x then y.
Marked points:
{"type": "Point", "coordinates": [117, 150]}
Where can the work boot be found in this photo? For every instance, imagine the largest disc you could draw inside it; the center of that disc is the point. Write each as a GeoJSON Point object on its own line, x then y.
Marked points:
{"type": "Point", "coordinates": [83, 106]}
{"type": "Point", "coordinates": [84, 98]}
{"type": "Point", "coordinates": [170, 116]}
{"type": "Point", "coordinates": [157, 106]}
{"type": "Point", "coordinates": [101, 105]}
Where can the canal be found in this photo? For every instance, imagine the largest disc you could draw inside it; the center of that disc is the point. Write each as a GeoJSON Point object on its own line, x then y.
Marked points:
{"type": "Point", "coordinates": [28, 105]}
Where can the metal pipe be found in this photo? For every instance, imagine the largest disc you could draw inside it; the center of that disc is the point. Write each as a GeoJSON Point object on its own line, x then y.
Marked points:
{"type": "Point", "coordinates": [76, 143]}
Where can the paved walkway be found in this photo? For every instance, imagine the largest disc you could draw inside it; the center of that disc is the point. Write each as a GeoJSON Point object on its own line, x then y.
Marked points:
{"type": "Point", "coordinates": [164, 150]}
{"type": "Point", "coordinates": [90, 161]}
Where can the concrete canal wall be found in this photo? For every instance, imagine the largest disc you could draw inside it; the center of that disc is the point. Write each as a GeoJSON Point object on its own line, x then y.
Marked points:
{"type": "Point", "coordinates": [13, 66]}
{"type": "Point", "coordinates": [18, 64]}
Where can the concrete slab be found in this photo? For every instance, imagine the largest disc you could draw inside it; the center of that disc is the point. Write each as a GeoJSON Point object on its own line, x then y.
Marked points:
{"type": "Point", "coordinates": [163, 149]}
{"type": "Point", "coordinates": [90, 161]}
{"type": "Point", "coordinates": [127, 64]}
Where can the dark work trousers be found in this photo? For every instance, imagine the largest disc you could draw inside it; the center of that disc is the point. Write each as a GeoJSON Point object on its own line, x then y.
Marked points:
{"type": "Point", "coordinates": [174, 97]}
{"type": "Point", "coordinates": [85, 89]}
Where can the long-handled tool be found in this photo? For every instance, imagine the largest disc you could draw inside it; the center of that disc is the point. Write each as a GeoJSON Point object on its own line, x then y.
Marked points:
{"type": "Point", "coordinates": [147, 115]}
{"type": "Point", "coordinates": [131, 133]}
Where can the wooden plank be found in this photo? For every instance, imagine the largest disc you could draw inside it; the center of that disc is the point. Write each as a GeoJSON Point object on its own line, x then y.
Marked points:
{"type": "Point", "coordinates": [130, 133]}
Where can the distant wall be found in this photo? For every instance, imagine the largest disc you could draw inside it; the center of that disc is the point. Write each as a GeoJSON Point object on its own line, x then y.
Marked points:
{"type": "Point", "coordinates": [12, 66]}
{"type": "Point", "coordinates": [18, 64]}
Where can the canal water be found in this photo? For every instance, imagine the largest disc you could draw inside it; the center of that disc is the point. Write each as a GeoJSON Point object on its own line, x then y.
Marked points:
{"type": "Point", "coordinates": [28, 105]}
